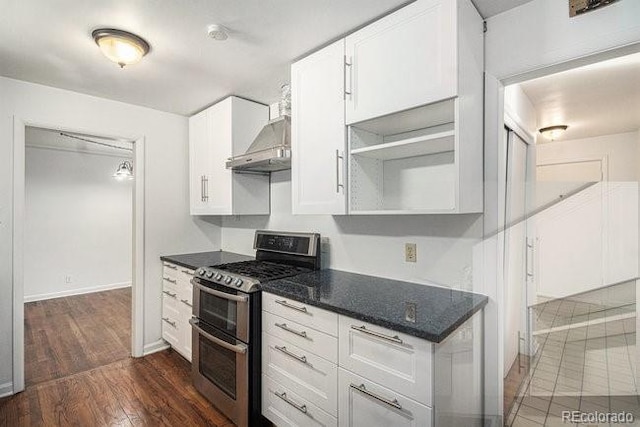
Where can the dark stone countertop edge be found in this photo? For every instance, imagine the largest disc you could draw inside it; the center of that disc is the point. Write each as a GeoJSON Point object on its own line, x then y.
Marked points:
{"type": "Point", "coordinates": [175, 259]}
{"type": "Point", "coordinates": [416, 332]}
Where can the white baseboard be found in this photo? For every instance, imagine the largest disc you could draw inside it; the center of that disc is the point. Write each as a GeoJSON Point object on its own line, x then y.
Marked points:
{"type": "Point", "coordinates": [155, 347]}
{"type": "Point", "coordinates": [6, 389]}
{"type": "Point", "coordinates": [80, 291]}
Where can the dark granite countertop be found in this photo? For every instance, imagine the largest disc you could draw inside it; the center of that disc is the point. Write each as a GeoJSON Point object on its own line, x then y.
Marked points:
{"type": "Point", "coordinates": [202, 259]}
{"type": "Point", "coordinates": [439, 311]}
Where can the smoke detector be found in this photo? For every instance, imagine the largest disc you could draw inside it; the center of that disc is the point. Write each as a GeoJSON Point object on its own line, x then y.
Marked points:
{"type": "Point", "coordinates": [217, 32]}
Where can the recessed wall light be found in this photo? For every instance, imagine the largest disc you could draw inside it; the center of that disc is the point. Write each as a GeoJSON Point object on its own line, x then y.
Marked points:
{"type": "Point", "coordinates": [217, 32]}
{"type": "Point", "coordinates": [553, 132]}
{"type": "Point", "coordinates": [119, 46]}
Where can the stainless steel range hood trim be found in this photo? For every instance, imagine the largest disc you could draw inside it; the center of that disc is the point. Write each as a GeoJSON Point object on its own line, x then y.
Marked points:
{"type": "Point", "coordinates": [275, 157]}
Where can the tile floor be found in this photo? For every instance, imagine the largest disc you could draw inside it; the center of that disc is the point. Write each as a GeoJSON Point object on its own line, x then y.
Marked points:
{"type": "Point", "coordinates": [585, 361]}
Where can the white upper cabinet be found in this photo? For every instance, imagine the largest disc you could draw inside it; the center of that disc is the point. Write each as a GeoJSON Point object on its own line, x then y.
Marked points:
{"type": "Point", "coordinates": [404, 60]}
{"type": "Point", "coordinates": [224, 130]}
{"type": "Point", "coordinates": [318, 133]}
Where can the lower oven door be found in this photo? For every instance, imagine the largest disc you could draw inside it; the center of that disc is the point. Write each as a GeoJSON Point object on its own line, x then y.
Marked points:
{"type": "Point", "coordinates": [220, 370]}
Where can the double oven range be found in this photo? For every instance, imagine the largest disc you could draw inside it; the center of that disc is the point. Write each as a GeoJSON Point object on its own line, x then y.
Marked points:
{"type": "Point", "coordinates": [227, 311]}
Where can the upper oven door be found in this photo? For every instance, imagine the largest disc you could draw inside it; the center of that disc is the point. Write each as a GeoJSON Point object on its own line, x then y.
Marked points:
{"type": "Point", "coordinates": [221, 307]}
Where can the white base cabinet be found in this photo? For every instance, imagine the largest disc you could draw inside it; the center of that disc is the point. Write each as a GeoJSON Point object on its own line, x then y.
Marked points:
{"type": "Point", "coordinates": [177, 301]}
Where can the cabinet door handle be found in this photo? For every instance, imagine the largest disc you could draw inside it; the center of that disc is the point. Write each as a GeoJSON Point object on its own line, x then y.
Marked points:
{"type": "Point", "coordinates": [286, 304]}
{"type": "Point", "coordinates": [284, 350]}
{"type": "Point", "coordinates": [283, 396]}
{"type": "Point", "coordinates": [350, 91]}
{"type": "Point", "coordinates": [362, 389]}
{"type": "Point", "coordinates": [170, 280]}
{"type": "Point", "coordinates": [171, 294]}
{"type": "Point", "coordinates": [338, 183]}
{"type": "Point", "coordinates": [166, 319]}
{"type": "Point", "coordinates": [190, 273]}
{"type": "Point", "coordinates": [284, 326]}
{"type": "Point", "coordinates": [202, 188]}
{"type": "Point", "coordinates": [173, 267]}
{"type": "Point", "coordinates": [186, 302]}
{"type": "Point", "coordinates": [206, 188]}
{"type": "Point", "coordinates": [395, 338]}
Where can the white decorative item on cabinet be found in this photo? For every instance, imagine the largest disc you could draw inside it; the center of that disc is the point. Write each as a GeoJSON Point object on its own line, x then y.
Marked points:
{"type": "Point", "coordinates": [318, 137]}
{"type": "Point", "coordinates": [412, 97]}
{"type": "Point", "coordinates": [177, 296]}
{"type": "Point", "coordinates": [216, 134]}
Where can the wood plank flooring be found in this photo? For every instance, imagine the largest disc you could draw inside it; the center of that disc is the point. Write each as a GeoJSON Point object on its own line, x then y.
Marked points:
{"type": "Point", "coordinates": [64, 336]}
{"type": "Point", "coordinates": [155, 390]}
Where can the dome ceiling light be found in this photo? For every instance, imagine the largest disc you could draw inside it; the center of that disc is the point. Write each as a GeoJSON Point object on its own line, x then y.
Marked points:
{"type": "Point", "coordinates": [119, 46]}
{"type": "Point", "coordinates": [218, 32]}
{"type": "Point", "coordinates": [553, 132]}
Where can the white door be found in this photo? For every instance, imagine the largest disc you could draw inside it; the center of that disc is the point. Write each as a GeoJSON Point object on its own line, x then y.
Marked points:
{"type": "Point", "coordinates": [198, 152]}
{"type": "Point", "coordinates": [515, 249]}
{"type": "Point", "coordinates": [318, 133]}
{"type": "Point", "coordinates": [404, 60]}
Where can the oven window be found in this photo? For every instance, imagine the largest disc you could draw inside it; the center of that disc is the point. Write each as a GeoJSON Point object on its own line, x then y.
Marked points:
{"type": "Point", "coordinates": [218, 364]}
{"type": "Point", "coordinates": [219, 312]}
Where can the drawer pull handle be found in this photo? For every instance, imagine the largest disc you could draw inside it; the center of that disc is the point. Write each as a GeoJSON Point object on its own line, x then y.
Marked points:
{"type": "Point", "coordinates": [284, 350]}
{"type": "Point", "coordinates": [286, 304]}
{"type": "Point", "coordinates": [283, 396]}
{"type": "Point", "coordinates": [362, 389]}
{"type": "Point", "coordinates": [171, 294]}
{"type": "Point", "coordinates": [186, 302]}
{"type": "Point", "coordinates": [173, 267]}
{"type": "Point", "coordinates": [284, 326]}
{"type": "Point", "coordinates": [170, 280]}
{"type": "Point", "coordinates": [166, 319]}
{"type": "Point", "coordinates": [190, 273]}
{"type": "Point", "coordinates": [363, 328]}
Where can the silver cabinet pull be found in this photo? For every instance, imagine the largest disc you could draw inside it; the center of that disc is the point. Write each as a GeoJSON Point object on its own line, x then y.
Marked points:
{"type": "Point", "coordinates": [286, 304]}
{"type": "Point", "coordinates": [173, 267]}
{"type": "Point", "coordinates": [347, 92]}
{"type": "Point", "coordinates": [166, 319]}
{"type": "Point", "coordinates": [283, 396]}
{"type": "Point", "coordinates": [190, 273]}
{"type": "Point", "coordinates": [362, 389]}
{"type": "Point", "coordinates": [284, 326]}
{"type": "Point", "coordinates": [284, 350]}
{"type": "Point", "coordinates": [239, 348]}
{"type": "Point", "coordinates": [338, 183]}
{"type": "Point", "coordinates": [171, 294]}
{"type": "Point", "coordinates": [170, 280]}
{"type": "Point", "coordinates": [205, 180]}
{"type": "Point", "coordinates": [231, 297]}
{"type": "Point", "coordinates": [363, 328]}
{"type": "Point", "coordinates": [202, 188]}
{"type": "Point", "coordinates": [186, 302]}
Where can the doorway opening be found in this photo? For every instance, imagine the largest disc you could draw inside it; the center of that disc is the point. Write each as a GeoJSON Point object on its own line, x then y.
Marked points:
{"type": "Point", "coordinates": [571, 258]}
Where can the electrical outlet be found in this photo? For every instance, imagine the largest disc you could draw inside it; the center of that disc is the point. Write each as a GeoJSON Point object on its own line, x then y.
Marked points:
{"type": "Point", "coordinates": [410, 252]}
{"type": "Point", "coordinates": [68, 279]}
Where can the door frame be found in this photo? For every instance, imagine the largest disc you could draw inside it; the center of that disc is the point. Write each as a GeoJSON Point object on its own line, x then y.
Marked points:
{"type": "Point", "coordinates": [18, 225]}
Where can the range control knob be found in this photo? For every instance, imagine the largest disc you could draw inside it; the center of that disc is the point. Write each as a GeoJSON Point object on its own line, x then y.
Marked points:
{"type": "Point", "coordinates": [238, 282]}
{"type": "Point", "coordinates": [201, 272]}
{"type": "Point", "coordinates": [209, 275]}
{"type": "Point", "coordinates": [228, 280]}
{"type": "Point", "coordinates": [219, 276]}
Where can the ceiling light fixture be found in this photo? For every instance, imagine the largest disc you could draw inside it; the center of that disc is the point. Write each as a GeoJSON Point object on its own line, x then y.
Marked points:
{"type": "Point", "coordinates": [125, 171]}
{"type": "Point", "coordinates": [119, 46]}
{"type": "Point", "coordinates": [553, 132]}
{"type": "Point", "coordinates": [218, 32]}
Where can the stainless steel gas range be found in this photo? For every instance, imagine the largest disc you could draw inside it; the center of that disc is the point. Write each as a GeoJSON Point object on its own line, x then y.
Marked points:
{"type": "Point", "coordinates": [227, 320]}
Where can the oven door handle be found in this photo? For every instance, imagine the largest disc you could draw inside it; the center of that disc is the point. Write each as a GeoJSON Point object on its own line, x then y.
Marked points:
{"type": "Point", "coordinates": [231, 297]}
{"type": "Point", "coordinates": [239, 348]}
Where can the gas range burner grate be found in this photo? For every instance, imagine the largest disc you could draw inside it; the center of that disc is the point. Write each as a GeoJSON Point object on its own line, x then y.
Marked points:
{"type": "Point", "coordinates": [262, 270]}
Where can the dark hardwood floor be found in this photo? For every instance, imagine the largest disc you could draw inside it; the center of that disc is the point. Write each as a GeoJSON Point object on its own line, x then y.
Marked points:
{"type": "Point", "coordinates": [79, 371]}
{"type": "Point", "coordinates": [155, 390]}
{"type": "Point", "coordinates": [64, 336]}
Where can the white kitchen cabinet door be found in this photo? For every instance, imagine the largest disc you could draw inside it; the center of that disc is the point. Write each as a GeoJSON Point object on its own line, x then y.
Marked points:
{"type": "Point", "coordinates": [363, 403]}
{"type": "Point", "coordinates": [402, 61]}
{"type": "Point", "coordinates": [318, 133]}
{"type": "Point", "coordinates": [198, 167]}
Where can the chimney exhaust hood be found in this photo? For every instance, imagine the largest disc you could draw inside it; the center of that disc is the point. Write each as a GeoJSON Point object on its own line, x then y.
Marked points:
{"type": "Point", "coordinates": [269, 152]}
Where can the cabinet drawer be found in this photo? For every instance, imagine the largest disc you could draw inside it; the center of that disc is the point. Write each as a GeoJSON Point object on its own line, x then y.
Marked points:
{"type": "Point", "coordinates": [170, 270]}
{"type": "Point", "coordinates": [171, 325]}
{"type": "Point", "coordinates": [399, 361]}
{"type": "Point", "coordinates": [309, 339]}
{"type": "Point", "coordinates": [364, 403]}
{"type": "Point", "coordinates": [309, 376]}
{"type": "Point", "coordinates": [283, 407]}
{"type": "Point", "coordinates": [304, 314]}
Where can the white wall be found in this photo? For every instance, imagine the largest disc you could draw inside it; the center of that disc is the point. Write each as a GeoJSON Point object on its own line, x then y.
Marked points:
{"type": "Point", "coordinates": [371, 245]}
{"type": "Point", "coordinates": [78, 224]}
{"type": "Point", "coordinates": [168, 226]}
{"type": "Point", "coordinates": [518, 107]}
